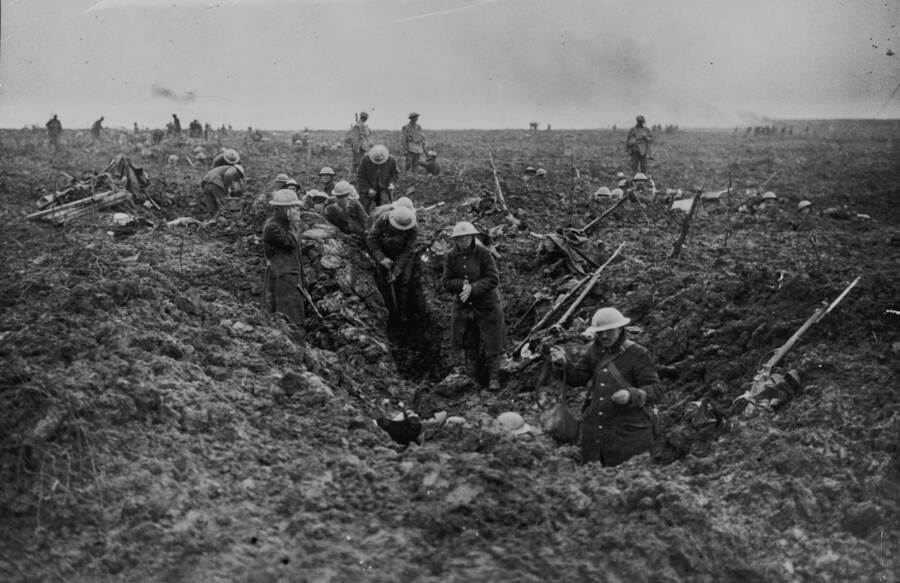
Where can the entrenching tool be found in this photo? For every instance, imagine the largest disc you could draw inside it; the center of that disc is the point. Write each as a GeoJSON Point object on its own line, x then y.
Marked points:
{"type": "Point", "coordinates": [763, 378]}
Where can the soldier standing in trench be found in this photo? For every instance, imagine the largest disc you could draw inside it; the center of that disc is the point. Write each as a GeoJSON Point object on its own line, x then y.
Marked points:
{"type": "Point", "coordinates": [284, 271]}
{"type": "Point", "coordinates": [618, 421]}
{"type": "Point", "coordinates": [377, 177]}
{"type": "Point", "coordinates": [392, 241]}
{"type": "Point", "coordinates": [358, 140]}
{"type": "Point", "coordinates": [218, 184]}
{"type": "Point", "coordinates": [477, 325]}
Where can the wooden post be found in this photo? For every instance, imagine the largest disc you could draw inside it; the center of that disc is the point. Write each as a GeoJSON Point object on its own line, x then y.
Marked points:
{"type": "Point", "coordinates": [499, 192]}
{"type": "Point", "coordinates": [587, 289]}
{"type": "Point", "coordinates": [685, 225]}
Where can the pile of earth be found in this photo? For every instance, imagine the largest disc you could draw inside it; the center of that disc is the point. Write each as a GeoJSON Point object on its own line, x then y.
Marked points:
{"type": "Point", "coordinates": [158, 425]}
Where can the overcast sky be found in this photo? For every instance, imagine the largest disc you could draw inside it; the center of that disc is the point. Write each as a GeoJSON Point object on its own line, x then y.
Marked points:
{"type": "Point", "coordinates": [279, 64]}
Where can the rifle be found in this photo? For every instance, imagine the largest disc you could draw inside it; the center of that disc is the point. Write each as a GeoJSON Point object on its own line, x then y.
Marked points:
{"type": "Point", "coordinates": [763, 378]}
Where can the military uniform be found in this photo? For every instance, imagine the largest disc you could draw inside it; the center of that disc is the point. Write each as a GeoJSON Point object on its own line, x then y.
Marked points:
{"type": "Point", "coordinates": [638, 147]}
{"type": "Point", "coordinates": [377, 177]}
{"type": "Point", "coordinates": [478, 322]}
{"type": "Point", "coordinates": [284, 272]}
{"type": "Point", "coordinates": [358, 139]}
{"type": "Point", "coordinates": [412, 143]}
{"type": "Point", "coordinates": [613, 433]}
{"type": "Point", "coordinates": [216, 185]}
{"type": "Point", "coordinates": [384, 240]}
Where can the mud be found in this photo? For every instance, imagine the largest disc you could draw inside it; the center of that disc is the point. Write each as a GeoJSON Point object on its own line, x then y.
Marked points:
{"type": "Point", "coordinates": [157, 425]}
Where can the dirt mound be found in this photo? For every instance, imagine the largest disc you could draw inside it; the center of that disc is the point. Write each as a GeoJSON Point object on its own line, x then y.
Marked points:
{"type": "Point", "coordinates": [157, 424]}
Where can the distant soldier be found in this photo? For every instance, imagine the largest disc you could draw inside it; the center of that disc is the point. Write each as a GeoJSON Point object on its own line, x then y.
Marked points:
{"type": "Point", "coordinates": [95, 129]}
{"type": "Point", "coordinates": [54, 130]}
{"type": "Point", "coordinates": [226, 157]}
{"type": "Point", "coordinates": [218, 184]}
{"type": "Point", "coordinates": [638, 145]}
{"type": "Point", "coordinates": [376, 177]}
{"type": "Point", "coordinates": [345, 213]}
{"type": "Point", "coordinates": [358, 140]}
{"type": "Point", "coordinates": [137, 130]}
{"type": "Point", "coordinates": [176, 125]}
{"type": "Point", "coordinates": [412, 142]}
{"type": "Point", "coordinates": [284, 270]}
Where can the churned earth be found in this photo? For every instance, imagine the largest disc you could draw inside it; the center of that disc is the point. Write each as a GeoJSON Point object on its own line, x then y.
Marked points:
{"type": "Point", "coordinates": [157, 425]}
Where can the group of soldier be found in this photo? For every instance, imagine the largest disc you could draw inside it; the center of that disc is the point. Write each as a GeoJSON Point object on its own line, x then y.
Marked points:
{"type": "Point", "coordinates": [623, 385]}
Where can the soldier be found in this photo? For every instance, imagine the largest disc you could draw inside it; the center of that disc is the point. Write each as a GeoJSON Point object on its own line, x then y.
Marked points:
{"type": "Point", "coordinates": [477, 326]}
{"type": "Point", "coordinates": [412, 142]}
{"type": "Point", "coordinates": [326, 180]}
{"type": "Point", "coordinates": [391, 241]}
{"type": "Point", "coordinates": [176, 125]}
{"type": "Point", "coordinates": [345, 213]}
{"type": "Point", "coordinates": [54, 130]}
{"type": "Point", "coordinates": [638, 145]}
{"type": "Point", "coordinates": [95, 129]}
{"type": "Point", "coordinates": [284, 270]}
{"type": "Point", "coordinates": [218, 184]}
{"type": "Point", "coordinates": [376, 177]}
{"type": "Point", "coordinates": [358, 140]}
{"type": "Point", "coordinates": [618, 421]}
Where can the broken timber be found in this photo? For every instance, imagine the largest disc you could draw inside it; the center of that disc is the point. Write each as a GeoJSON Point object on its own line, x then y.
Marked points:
{"type": "Point", "coordinates": [67, 212]}
{"type": "Point", "coordinates": [685, 226]}
{"type": "Point", "coordinates": [498, 194]}
{"type": "Point", "coordinates": [589, 280]}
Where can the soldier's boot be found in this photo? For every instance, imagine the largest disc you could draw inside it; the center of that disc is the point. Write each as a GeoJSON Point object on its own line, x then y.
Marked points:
{"type": "Point", "coordinates": [494, 373]}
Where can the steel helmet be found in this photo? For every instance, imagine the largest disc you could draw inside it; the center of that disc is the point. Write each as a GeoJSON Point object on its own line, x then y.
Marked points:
{"type": "Point", "coordinates": [622, 183]}
{"type": "Point", "coordinates": [640, 118]}
{"type": "Point", "coordinates": [431, 154]}
{"type": "Point", "coordinates": [231, 156]}
{"type": "Point", "coordinates": [513, 423]}
{"type": "Point", "coordinates": [606, 319]}
{"type": "Point", "coordinates": [412, 115]}
{"type": "Point", "coordinates": [617, 193]}
{"type": "Point", "coordinates": [282, 178]}
{"type": "Point", "coordinates": [620, 175]}
{"type": "Point", "coordinates": [803, 204]}
{"type": "Point", "coordinates": [769, 195]}
{"type": "Point", "coordinates": [541, 172]}
{"type": "Point", "coordinates": [363, 115]}
{"type": "Point", "coordinates": [378, 154]}
{"type": "Point", "coordinates": [602, 191]}
{"type": "Point", "coordinates": [402, 218]}
{"type": "Point", "coordinates": [464, 228]}
{"type": "Point", "coordinates": [326, 170]}
{"type": "Point", "coordinates": [239, 168]}
{"type": "Point", "coordinates": [404, 201]}
{"type": "Point", "coordinates": [640, 176]}
{"type": "Point", "coordinates": [291, 183]}
{"type": "Point", "coordinates": [343, 188]}
{"type": "Point", "coordinates": [284, 197]}
{"type": "Point", "coordinates": [530, 170]}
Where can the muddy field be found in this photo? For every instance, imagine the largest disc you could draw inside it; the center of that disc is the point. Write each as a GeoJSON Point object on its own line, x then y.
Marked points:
{"type": "Point", "coordinates": [157, 425]}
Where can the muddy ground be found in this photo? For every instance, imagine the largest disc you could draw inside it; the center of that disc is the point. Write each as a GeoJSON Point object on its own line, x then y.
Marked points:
{"type": "Point", "coordinates": [157, 425]}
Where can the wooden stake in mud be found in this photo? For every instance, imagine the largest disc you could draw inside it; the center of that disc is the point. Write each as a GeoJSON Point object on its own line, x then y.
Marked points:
{"type": "Point", "coordinates": [686, 224]}
{"type": "Point", "coordinates": [498, 197]}
{"type": "Point", "coordinates": [585, 230]}
{"type": "Point", "coordinates": [590, 280]}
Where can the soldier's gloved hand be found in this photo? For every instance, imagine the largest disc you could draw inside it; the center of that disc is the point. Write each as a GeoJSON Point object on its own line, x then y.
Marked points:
{"type": "Point", "coordinates": [466, 291]}
{"type": "Point", "coordinates": [387, 262]}
{"type": "Point", "coordinates": [372, 192]}
{"type": "Point", "coordinates": [621, 397]}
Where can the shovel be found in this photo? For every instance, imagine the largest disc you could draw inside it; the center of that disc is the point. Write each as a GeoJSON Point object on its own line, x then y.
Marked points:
{"type": "Point", "coordinates": [559, 422]}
